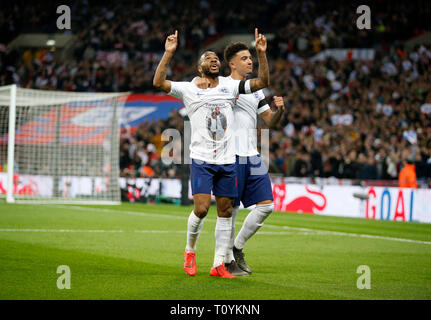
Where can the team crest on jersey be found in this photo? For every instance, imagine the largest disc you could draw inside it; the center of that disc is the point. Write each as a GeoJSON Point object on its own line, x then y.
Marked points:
{"type": "Point", "coordinates": [223, 90]}
{"type": "Point", "coordinates": [256, 95]}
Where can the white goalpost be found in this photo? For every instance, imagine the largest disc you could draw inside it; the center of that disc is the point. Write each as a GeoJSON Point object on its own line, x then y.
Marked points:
{"type": "Point", "coordinates": [59, 147]}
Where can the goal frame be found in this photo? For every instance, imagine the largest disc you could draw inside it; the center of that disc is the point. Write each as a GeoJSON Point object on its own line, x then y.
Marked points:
{"type": "Point", "coordinates": [11, 141]}
{"type": "Point", "coordinates": [10, 198]}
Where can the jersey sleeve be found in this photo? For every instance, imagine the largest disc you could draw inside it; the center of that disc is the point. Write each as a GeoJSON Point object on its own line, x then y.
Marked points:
{"type": "Point", "coordinates": [178, 88]}
{"type": "Point", "coordinates": [240, 86]}
{"type": "Point", "coordinates": [262, 104]}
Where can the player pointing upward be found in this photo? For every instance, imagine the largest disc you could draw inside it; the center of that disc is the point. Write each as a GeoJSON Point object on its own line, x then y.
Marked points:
{"type": "Point", "coordinates": [213, 155]}
{"type": "Point", "coordinates": [254, 185]}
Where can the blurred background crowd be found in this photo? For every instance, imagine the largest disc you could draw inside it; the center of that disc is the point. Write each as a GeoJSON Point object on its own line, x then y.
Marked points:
{"type": "Point", "coordinates": [350, 119]}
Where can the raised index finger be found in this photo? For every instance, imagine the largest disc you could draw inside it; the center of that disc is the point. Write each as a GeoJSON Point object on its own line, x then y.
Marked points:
{"type": "Point", "coordinates": [256, 33]}
{"type": "Point", "coordinates": [176, 33]}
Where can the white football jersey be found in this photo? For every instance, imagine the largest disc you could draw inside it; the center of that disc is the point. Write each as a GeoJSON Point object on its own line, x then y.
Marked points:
{"type": "Point", "coordinates": [211, 118]}
{"type": "Point", "coordinates": [246, 109]}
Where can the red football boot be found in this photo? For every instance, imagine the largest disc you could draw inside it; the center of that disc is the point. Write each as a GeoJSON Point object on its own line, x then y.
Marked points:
{"type": "Point", "coordinates": [190, 263]}
{"type": "Point", "coordinates": [221, 271]}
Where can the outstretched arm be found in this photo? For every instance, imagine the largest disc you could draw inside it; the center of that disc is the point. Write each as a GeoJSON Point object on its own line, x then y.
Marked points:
{"type": "Point", "coordinates": [159, 80]}
{"type": "Point", "coordinates": [262, 80]}
{"type": "Point", "coordinates": [271, 118]}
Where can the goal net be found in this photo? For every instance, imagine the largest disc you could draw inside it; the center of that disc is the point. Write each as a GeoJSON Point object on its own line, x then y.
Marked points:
{"type": "Point", "coordinates": [60, 147]}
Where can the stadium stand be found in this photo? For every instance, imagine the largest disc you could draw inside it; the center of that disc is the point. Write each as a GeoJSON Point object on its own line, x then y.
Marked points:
{"type": "Point", "coordinates": [347, 119]}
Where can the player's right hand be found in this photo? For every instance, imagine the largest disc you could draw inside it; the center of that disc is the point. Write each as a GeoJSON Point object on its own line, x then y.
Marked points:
{"type": "Point", "coordinates": [171, 42]}
{"type": "Point", "coordinates": [201, 83]}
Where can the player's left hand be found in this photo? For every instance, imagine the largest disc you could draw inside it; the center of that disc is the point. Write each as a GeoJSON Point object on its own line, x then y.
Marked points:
{"type": "Point", "coordinates": [279, 103]}
{"type": "Point", "coordinates": [201, 83]}
{"type": "Point", "coordinates": [260, 41]}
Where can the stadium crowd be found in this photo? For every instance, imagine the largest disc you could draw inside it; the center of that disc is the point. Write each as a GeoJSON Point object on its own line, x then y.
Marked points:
{"type": "Point", "coordinates": [351, 119]}
{"type": "Point", "coordinates": [355, 119]}
{"type": "Point", "coordinates": [119, 45]}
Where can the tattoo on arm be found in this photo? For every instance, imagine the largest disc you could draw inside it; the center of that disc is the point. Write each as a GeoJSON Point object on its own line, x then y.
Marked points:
{"type": "Point", "coordinates": [159, 80]}
{"type": "Point", "coordinates": [263, 75]}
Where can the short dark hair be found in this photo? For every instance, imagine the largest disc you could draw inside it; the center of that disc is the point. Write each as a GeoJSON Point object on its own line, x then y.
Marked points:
{"type": "Point", "coordinates": [203, 55]}
{"type": "Point", "coordinates": [231, 50]}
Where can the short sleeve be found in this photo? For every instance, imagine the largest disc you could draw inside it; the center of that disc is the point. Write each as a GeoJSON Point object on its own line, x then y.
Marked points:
{"type": "Point", "coordinates": [244, 87]}
{"type": "Point", "coordinates": [262, 104]}
{"type": "Point", "coordinates": [234, 86]}
{"type": "Point", "coordinates": [239, 86]}
{"type": "Point", "coordinates": [178, 88]}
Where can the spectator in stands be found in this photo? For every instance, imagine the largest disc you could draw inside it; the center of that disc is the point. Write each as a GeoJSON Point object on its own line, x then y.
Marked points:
{"type": "Point", "coordinates": [407, 176]}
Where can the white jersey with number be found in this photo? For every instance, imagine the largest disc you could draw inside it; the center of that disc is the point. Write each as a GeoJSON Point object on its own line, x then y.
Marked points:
{"type": "Point", "coordinates": [246, 109]}
{"type": "Point", "coordinates": [211, 117]}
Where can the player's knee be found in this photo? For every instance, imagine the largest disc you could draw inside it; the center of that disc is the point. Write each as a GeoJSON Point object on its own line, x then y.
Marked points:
{"type": "Point", "coordinates": [225, 212]}
{"type": "Point", "coordinates": [201, 211]}
{"type": "Point", "coordinates": [225, 207]}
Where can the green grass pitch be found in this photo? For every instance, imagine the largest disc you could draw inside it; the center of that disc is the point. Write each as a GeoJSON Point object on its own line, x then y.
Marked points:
{"type": "Point", "coordinates": [135, 251]}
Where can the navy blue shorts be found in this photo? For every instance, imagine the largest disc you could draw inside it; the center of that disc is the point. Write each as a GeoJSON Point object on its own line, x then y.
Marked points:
{"type": "Point", "coordinates": [218, 178]}
{"type": "Point", "coordinates": [254, 184]}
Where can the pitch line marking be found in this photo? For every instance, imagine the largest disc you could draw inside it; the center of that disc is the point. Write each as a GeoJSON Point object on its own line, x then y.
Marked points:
{"type": "Point", "coordinates": [347, 234]}
{"type": "Point", "coordinates": [282, 233]}
{"type": "Point", "coordinates": [124, 231]}
{"type": "Point", "coordinates": [137, 231]}
{"type": "Point", "coordinates": [311, 232]}
{"type": "Point", "coordinates": [92, 231]}
{"type": "Point", "coordinates": [314, 231]}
